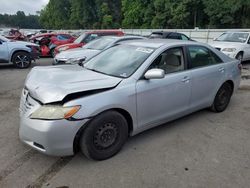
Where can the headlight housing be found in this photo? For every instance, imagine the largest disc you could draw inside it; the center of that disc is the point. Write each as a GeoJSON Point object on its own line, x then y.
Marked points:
{"type": "Point", "coordinates": [75, 60]}
{"type": "Point", "coordinates": [54, 112]}
{"type": "Point", "coordinates": [228, 49]}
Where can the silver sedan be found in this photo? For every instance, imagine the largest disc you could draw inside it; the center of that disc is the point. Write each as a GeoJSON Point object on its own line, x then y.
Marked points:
{"type": "Point", "coordinates": [126, 89]}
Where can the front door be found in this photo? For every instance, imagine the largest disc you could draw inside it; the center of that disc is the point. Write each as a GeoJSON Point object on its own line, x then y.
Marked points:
{"type": "Point", "coordinates": [159, 100]}
{"type": "Point", "coordinates": [3, 52]}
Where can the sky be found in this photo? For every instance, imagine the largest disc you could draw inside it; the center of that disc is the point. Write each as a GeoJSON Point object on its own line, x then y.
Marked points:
{"type": "Point", "coordinates": [28, 6]}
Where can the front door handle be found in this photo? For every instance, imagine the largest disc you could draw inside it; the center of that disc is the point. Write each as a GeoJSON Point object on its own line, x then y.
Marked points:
{"type": "Point", "coordinates": [222, 69]}
{"type": "Point", "coordinates": [185, 79]}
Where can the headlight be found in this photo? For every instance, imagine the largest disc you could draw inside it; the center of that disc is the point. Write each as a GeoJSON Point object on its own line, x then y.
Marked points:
{"type": "Point", "coordinates": [63, 48]}
{"type": "Point", "coordinates": [75, 60]}
{"type": "Point", "coordinates": [52, 112]}
{"type": "Point", "coordinates": [228, 49]}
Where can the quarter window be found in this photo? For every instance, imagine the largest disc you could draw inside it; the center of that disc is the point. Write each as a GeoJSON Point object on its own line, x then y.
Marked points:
{"type": "Point", "coordinates": [201, 56]}
{"type": "Point", "coordinates": [170, 61]}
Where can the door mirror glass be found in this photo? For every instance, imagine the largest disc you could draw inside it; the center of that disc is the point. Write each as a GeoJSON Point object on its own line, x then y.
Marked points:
{"type": "Point", "coordinates": [154, 74]}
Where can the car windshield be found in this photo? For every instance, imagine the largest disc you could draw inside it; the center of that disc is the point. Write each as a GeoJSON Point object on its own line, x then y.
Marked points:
{"type": "Point", "coordinates": [2, 38]}
{"type": "Point", "coordinates": [119, 61]}
{"type": "Point", "coordinates": [80, 38]}
{"type": "Point", "coordinates": [233, 37]}
{"type": "Point", "coordinates": [99, 44]}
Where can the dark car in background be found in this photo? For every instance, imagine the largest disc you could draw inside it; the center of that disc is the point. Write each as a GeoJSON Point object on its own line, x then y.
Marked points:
{"type": "Point", "coordinates": [169, 35]}
{"type": "Point", "coordinates": [49, 41]}
{"type": "Point", "coordinates": [86, 38]}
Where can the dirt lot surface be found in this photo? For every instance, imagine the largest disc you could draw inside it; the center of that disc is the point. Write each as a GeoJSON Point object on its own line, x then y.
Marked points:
{"type": "Point", "coordinates": [203, 149]}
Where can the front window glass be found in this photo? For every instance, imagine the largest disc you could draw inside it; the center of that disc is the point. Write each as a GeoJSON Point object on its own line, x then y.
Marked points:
{"type": "Point", "coordinates": [201, 56]}
{"type": "Point", "coordinates": [155, 35]}
{"type": "Point", "coordinates": [233, 37]}
{"type": "Point", "coordinates": [99, 44]}
{"type": "Point", "coordinates": [80, 38]}
{"type": "Point", "coordinates": [90, 38]}
{"type": "Point", "coordinates": [170, 61]}
{"type": "Point", "coordinates": [120, 61]}
{"type": "Point", "coordinates": [183, 37]}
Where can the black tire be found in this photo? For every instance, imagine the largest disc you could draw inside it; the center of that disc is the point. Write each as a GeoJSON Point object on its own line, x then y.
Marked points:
{"type": "Point", "coordinates": [52, 52]}
{"type": "Point", "coordinates": [222, 98]}
{"type": "Point", "coordinates": [104, 136]}
{"type": "Point", "coordinates": [239, 56]}
{"type": "Point", "coordinates": [21, 60]}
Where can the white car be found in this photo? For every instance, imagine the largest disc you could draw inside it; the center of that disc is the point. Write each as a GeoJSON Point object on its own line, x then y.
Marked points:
{"type": "Point", "coordinates": [19, 53]}
{"type": "Point", "coordinates": [234, 44]}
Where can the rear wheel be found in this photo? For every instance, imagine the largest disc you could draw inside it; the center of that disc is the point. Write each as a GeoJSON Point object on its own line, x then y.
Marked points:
{"type": "Point", "coordinates": [222, 98]}
{"type": "Point", "coordinates": [104, 136]}
{"type": "Point", "coordinates": [21, 60]}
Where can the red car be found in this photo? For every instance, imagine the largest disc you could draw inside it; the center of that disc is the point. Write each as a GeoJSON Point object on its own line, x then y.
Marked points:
{"type": "Point", "coordinates": [49, 41]}
{"type": "Point", "coordinates": [15, 34]}
{"type": "Point", "coordinates": [87, 37]}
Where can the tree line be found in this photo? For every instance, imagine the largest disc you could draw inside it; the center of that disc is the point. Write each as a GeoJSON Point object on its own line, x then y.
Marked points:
{"type": "Point", "coordinates": [20, 20]}
{"type": "Point", "coordinates": [103, 14]}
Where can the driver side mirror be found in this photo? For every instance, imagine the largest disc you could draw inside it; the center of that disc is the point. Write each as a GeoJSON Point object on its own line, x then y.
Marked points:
{"type": "Point", "coordinates": [154, 74]}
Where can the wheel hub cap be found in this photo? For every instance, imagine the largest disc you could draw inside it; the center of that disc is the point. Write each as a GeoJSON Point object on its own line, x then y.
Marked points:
{"type": "Point", "coordinates": [105, 136]}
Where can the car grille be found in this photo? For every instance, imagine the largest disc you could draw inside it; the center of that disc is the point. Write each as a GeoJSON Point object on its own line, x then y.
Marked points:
{"type": "Point", "coordinates": [27, 103]}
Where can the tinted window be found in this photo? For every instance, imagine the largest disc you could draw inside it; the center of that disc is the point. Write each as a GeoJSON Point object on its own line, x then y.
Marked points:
{"type": "Point", "coordinates": [170, 61]}
{"type": "Point", "coordinates": [155, 35]}
{"type": "Point", "coordinates": [62, 37]}
{"type": "Point", "coordinates": [90, 37]}
{"type": "Point", "coordinates": [183, 37]}
{"type": "Point", "coordinates": [201, 56]}
{"type": "Point", "coordinates": [174, 36]}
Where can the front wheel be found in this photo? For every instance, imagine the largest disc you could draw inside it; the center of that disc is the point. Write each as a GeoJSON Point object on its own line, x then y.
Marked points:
{"type": "Point", "coordinates": [239, 56]}
{"type": "Point", "coordinates": [104, 136]}
{"type": "Point", "coordinates": [21, 60]}
{"type": "Point", "coordinates": [222, 98]}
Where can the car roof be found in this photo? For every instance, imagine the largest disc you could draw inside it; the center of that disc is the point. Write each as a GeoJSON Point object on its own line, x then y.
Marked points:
{"type": "Point", "coordinates": [49, 34]}
{"type": "Point", "coordinates": [237, 32]}
{"type": "Point", "coordinates": [124, 37]}
{"type": "Point", "coordinates": [104, 31]}
{"type": "Point", "coordinates": [157, 43]}
{"type": "Point", "coordinates": [164, 32]}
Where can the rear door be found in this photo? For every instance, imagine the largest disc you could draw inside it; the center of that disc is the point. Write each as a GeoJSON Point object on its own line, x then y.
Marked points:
{"type": "Point", "coordinates": [208, 74]}
{"type": "Point", "coordinates": [159, 100]}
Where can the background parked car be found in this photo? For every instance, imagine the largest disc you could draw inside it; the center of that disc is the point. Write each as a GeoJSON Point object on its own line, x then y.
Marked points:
{"type": "Point", "coordinates": [49, 41]}
{"type": "Point", "coordinates": [169, 35]}
{"type": "Point", "coordinates": [18, 52]}
{"type": "Point", "coordinates": [78, 55]}
{"type": "Point", "coordinates": [86, 38]}
{"type": "Point", "coordinates": [234, 44]}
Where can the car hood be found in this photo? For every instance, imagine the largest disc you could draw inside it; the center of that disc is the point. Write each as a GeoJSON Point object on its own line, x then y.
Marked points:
{"type": "Point", "coordinates": [23, 43]}
{"type": "Point", "coordinates": [77, 53]}
{"type": "Point", "coordinates": [218, 44]}
{"type": "Point", "coordinates": [53, 84]}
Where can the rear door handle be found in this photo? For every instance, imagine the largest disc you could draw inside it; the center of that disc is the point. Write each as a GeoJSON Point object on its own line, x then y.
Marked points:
{"type": "Point", "coordinates": [221, 69]}
{"type": "Point", "coordinates": [185, 79]}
